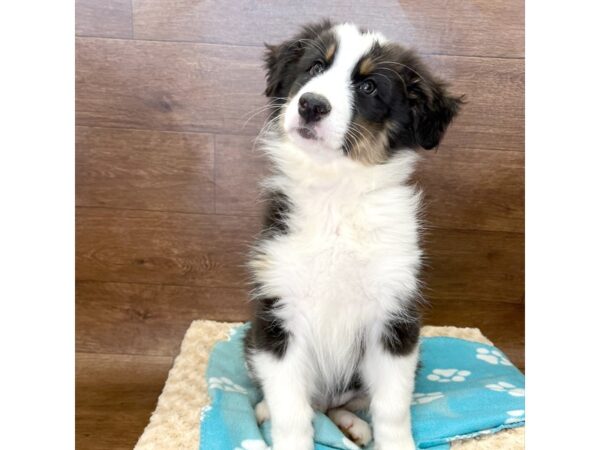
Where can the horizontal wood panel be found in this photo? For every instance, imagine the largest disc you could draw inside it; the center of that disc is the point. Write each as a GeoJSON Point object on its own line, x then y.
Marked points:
{"type": "Point", "coordinates": [115, 395]}
{"type": "Point", "coordinates": [239, 168]}
{"type": "Point", "coordinates": [144, 169]}
{"type": "Point", "coordinates": [167, 86]}
{"type": "Point", "coordinates": [474, 265]}
{"type": "Point", "coordinates": [152, 319]}
{"type": "Point", "coordinates": [148, 319]}
{"type": "Point", "coordinates": [457, 26]}
{"type": "Point", "coordinates": [212, 88]}
{"type": "Point", "coordinates": [199, 250]}
{"type": "Point", "coordinates": [493, 116]}
{"type": "Point", "coordinates": [104, 18]}
{"type": "Point", "coordinates": [473, 189]}
{"type": "Point", "coordinates": [162, 248]}
{"type": "Point", "coordinates": [464, 188]}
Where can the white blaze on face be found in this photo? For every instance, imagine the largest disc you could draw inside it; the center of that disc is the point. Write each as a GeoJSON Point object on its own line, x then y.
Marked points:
{"type": "Point", "coordinates": [335, 84]}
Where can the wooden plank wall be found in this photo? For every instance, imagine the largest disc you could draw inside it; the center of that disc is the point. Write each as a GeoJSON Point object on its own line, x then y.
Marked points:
{"type": "Point", "coordinates": [167, 178]}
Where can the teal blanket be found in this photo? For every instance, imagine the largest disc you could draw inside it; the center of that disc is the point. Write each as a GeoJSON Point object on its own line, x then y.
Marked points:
{"type": "Point", "coordinates": [463, 389]}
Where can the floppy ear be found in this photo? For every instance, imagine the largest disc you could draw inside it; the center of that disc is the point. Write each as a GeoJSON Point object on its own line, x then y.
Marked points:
{"type": "Point", "coordinates": [432, 110]}
{"type": "Point", "coordinates": [280, 59]}
{"type": "Point", "coordinates": [277, 62]}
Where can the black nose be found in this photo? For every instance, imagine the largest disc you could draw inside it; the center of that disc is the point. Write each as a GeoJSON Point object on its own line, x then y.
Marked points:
{"type": "Point", "coordinates": [313, 107]}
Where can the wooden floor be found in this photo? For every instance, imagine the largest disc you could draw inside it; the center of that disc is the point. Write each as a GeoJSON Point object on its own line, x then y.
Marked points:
{"type": "Point", "coordinates": [167, 178]}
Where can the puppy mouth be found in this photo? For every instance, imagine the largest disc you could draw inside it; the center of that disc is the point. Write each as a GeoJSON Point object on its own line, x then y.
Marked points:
{"type": "Point", "coordinates": [307, 133]}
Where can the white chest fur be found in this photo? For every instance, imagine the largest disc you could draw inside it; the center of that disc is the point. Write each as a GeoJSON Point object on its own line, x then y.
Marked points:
{"type": "Point", "coordinates": [349, 257]}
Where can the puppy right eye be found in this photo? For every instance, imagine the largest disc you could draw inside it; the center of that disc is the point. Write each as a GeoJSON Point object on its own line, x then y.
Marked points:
{"type": "Point", "coordinates": [316, 68]}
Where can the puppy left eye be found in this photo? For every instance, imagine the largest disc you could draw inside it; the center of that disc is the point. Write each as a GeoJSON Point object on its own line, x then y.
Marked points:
{"type": "Point", "coordinates": [367, 87]}
{"type": "Point", "coordinates": [317, 68]}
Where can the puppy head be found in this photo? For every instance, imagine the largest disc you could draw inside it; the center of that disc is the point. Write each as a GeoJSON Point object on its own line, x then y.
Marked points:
{"type": "Point", "coordinates": [342, 92]}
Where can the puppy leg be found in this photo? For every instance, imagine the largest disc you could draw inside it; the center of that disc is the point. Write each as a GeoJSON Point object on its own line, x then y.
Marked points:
{"type": "Point", "coordinates": [391, 379]}
{"type": "Point", "coordinates": [351, 425]}
{"type": "Point", "coordinates": [287, 399]}
{"type": "Point", "coordinates": [261, 411]}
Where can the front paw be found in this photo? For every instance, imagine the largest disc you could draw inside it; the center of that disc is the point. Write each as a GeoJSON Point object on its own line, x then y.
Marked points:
{"type": "Point", "coordinates": [359, 432]}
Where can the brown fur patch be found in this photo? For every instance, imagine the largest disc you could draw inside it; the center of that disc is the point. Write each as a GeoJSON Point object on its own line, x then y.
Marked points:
{"type": "Point", "coordinates": [330, 53]}
{"type": "Point", "coordinates": [369, 142]}
{"type": "Point", "coordinates": [366, 66]}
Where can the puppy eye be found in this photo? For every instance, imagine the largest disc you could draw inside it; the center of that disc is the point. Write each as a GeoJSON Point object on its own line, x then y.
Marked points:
{"type": "Point", "coordinates": [316, 68]}
{"type": "Point", "coordinates": [367, 87]}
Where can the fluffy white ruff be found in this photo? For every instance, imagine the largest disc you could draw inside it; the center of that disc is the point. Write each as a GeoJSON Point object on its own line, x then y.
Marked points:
{"type": "Point", "coordinates": [347, 264]}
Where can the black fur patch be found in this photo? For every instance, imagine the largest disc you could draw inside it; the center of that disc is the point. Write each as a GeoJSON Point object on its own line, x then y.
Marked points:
{"type": "Point", "coordinates": [288, 64]}
{"type": "Point", "coordinates": [401, 335]}
{"type": "Point", "coordinates": [356, 383]}
{"type": "Point", "coordinates": [413, 104]}
{"type": "Point", "coordinates": [278, 208]}
{"type": "Point", "coordinates": [266, 332]}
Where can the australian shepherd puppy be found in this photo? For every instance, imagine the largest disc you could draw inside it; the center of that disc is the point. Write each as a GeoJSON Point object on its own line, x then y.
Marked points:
{"type": "Point", "coordinates": [336, 268]}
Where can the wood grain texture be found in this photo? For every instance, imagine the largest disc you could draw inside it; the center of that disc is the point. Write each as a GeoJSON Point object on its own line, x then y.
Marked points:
{"type": "Point", "coordinates": [463, 27]}
{"type": "Point", "coordinates": [473, 265]}
{"type": "Point", "coordinates": [144, 169]}
{"type": "Point", "coordinates": [167, 86]}
{"type": "Point", "coordinates": [148, 319]}
{"type": "Point", "coordinates": [163, 248]}
{"type": "Point", "coordinates": [211, 88]}
{"type": "Point", "coordinates": [473, 189]}
{"type": "Point", "coordinates": [239, 167]}
{"type": "Point", "coordinates": [493, 117]}
{"type": "Point", "coordinates": [210, 250]}
{"type": "Point", "coordinates": [104, 18]}
{"type": "Point", "coordinates": [115, 395]}
{"type": "Point", "coordinates": [464, 188]}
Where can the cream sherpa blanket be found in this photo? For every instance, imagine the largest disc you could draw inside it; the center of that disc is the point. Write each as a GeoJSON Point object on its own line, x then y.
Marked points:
{"type": "Point", "coordinates": [175, 423]}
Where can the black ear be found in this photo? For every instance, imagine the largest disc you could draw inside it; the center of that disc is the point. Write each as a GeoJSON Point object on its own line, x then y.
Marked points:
{"type": "Point", "coordinates": [432, 110]}
{"type": "Point", "coordinates": [278, 59]}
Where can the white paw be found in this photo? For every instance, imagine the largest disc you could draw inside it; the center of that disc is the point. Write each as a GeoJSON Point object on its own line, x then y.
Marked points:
{"type": "Point", "coordinates": [360, 433]}
{"type": "Point", "coordinates": [448, 375]}
{"type": "Point", "coordinates": [492, 357]}
{"type": "Point", "coordinates": [516, 415]}
{"type": "Point", "coordinates": [261, 411]}
{"type": "Point", "coordinates": [503, 386]}
{"type": "Point", "coordinates": [420, 399]}
{"type": "Point", "coordinates": [225, 384]}
{"type": "Point", "coordinates": [253, 444]}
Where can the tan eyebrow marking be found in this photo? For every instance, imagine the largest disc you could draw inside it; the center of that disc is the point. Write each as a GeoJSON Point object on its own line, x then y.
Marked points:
{"type": "Point", "coordinates": [366, 66]}
{"type": "Point", "coordinates": [330, 53]}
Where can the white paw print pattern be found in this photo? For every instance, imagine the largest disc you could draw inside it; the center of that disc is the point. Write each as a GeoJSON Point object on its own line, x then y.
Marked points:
{"type": "Point", "coordinates": [225, 384]}
{"type": "Point", "coordinates": [232, 332]}
{"type": "Point", "coordinates": [492, 357]}
{"type": "Point", "coordinates": [349, 444]}
{"type": "Point", "coordinates": [503, 386]}
{"type": "Point", "coordinates": [203, 412]}
{"type": "Point", "coordinates": [516, 415]}
{"type": "Point", "coordinates": [421, 399]}
{"type": "Point", "coordinates": [448, 375]}
{"type": "Point", "coordinates": [253, 444]}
